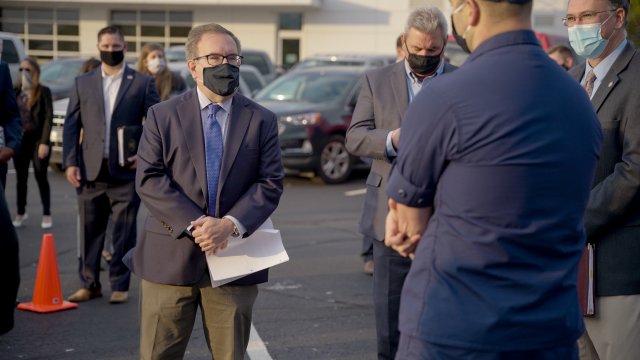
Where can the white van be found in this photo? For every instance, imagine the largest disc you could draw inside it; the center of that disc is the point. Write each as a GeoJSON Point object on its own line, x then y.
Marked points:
{"type": "Point", "coordinates": [12, 53]}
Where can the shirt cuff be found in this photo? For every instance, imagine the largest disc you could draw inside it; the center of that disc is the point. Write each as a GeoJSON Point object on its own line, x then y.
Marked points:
{"type": "Point", "coordinates": [241, 229]}
{"type": "Point", "coordinates": [404, 192]}
{"type": "Point", "coordinates": [391, 152]}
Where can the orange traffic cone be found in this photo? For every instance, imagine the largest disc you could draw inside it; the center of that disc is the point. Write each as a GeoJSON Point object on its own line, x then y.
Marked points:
{"type": "Point", "coordinates": [47, 295]}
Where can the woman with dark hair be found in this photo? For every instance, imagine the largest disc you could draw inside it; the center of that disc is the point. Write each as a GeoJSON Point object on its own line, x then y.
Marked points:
{"type": "Point", "coordinates": [152, 62]}
{"type": "Point", "coordinates": [36, 112]}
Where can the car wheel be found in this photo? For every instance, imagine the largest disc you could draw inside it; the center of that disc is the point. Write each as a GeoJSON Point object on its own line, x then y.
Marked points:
{"type": "Point", "coordinates": [335, 162]}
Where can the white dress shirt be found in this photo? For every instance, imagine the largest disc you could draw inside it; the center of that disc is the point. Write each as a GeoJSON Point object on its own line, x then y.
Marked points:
{"type": "Point", "coordinates": [110, 87]}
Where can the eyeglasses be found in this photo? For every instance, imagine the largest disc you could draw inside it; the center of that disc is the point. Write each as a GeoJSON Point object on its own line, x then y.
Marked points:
{"type": "Point", "coordinates": [587, 17]}
{"type": "Point", "coordinates": [24, 69]}
{"type": "Point", "coordinates": [217, 59]}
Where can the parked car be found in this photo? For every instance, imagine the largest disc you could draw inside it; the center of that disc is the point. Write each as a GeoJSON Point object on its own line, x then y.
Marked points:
{"type": "Point", "coordinates": [314, 109]}
{"type": "Point", "coordinates": [59, 114]}
{"type": "Point", "coordinates": [59, 74]}
{"type": "Point", "coordinates": [252, 77]}
{"type": "Point", "coordinates": [359, 60]}
{"type": "Point", "coordinates": [12, 53]}
{"type": "Point", "coordinates": [262, 62]}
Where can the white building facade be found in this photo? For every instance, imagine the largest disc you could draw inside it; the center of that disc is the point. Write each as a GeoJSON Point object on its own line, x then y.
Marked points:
{"type": "Point", "coordinates": [286, 29]}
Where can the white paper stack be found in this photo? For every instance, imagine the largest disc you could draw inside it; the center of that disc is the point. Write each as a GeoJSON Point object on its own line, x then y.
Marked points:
{"type": "Point", "coordinates": [244, 256]}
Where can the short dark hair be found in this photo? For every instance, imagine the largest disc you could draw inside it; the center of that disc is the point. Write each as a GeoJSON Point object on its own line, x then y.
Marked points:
{"type": "Point", "coordinates": [624, 4]}
{"type": "Point", "coordinates": [111, 29]}
{"type": "Point", "coordinates": [191, 47]}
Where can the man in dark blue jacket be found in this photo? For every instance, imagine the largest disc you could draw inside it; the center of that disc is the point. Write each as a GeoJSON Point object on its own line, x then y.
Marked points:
{"type": "Point", "coordinates": [9, 122]}
{"type": "Point", "coordinates": [488, 195]}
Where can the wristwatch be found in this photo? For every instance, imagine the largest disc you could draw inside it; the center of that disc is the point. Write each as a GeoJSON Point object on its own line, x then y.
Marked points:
{"type": "Point", "coordinates": [236, 231]}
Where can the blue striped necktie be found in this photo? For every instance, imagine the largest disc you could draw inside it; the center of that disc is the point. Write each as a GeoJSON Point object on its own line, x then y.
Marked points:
{"type": "Point", "coordinates": [214, 149]}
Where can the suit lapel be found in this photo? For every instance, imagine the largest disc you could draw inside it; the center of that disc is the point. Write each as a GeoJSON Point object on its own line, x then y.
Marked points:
{"type": "Point", "coordinates": [611, 79]}
{"type": "Point", "coordinates": [236, 129]}
{"type": "Point", "coordinates": [399, 87]}
{"type": "Point", "coordinates": [191, 124]}
{"type": "Point", "coordinates": [127, 79]}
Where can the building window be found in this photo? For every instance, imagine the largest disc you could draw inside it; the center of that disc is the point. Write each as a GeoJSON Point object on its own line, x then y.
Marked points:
{"type": "Point", "coordinates": [143, 26]}
{"type": "Point", "coordinates": [290, 21]}
{"type": "Point", "coordinates": [46, 32]}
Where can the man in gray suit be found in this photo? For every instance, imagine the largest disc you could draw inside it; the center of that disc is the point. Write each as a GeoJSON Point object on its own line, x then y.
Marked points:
{"type": "Point", "coordinates": [374, 133]}
{"type": "Point", "coordinates": [209, 170]}
{"type": "Point", "coordinates": [110, 97]}
{"type": "Point", "coordinates": [611, 76]}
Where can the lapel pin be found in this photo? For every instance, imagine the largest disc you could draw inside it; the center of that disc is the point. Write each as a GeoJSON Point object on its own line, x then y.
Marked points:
{"type": "Point", "coordinates": [611, 84]}
{"type": "Point", "coordinates": [129, 77]}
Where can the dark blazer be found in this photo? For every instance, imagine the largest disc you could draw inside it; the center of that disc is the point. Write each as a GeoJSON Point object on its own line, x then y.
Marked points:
{"type": "Point", "coordinates": [136, 95]}
{"type": "Point", "coordinates": [9, 266]}
{"type": "Point", "coordinates": [383, 99]}
{"type": "Point", "coordinates": [9, 113]}
{"type": "Point", "coordinates": [612, 218]}
{"type": "Point", "coordinates": [172, 183]}
{"type": "Point", "coordinates": [42, 112]}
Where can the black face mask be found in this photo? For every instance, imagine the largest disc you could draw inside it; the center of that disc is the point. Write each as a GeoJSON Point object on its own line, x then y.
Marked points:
{"type": "Point", "coordinates": [459, 39]}
{"type": "Point", "coordinates": [112, 58]}
{"type": "Point", "coordinates": [565, 67]}
{"type": "Point", "coordinates": [223, 79]}
{"type": "Point", "coordinates": [423, 64]}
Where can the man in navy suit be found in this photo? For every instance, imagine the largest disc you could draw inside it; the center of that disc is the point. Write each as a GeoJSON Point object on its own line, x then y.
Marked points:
{"type": "Point", "coordinates": [374, 132]}
{"type": "Point", "coordinates": [101, 101]}
{"type": "Point", "coordinates": [9, 121]}
{"type": "Point", "coordinates": [209, 171]}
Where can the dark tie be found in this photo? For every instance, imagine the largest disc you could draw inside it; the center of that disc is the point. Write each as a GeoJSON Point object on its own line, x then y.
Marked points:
{"type": "Point", "coordinates": [589, 81]}
{"type": "Point", "coordinates": [214, 148]}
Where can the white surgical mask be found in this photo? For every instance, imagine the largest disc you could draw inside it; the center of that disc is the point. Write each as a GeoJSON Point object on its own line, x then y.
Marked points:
{"type": "Point", "coordinates": [26, 81]}
{"type": "Point", "coordinates": [155, 65]}
{"type": "Point", "coordinates": [586, 40]}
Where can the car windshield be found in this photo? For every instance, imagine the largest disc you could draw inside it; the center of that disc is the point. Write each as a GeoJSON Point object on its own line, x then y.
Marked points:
{"type": "Point", "coordinates": [256, 60]}
{"type": "Point", "coordinates": [316, 87]}
{"type": "Point", "coordinates": [60, 72]}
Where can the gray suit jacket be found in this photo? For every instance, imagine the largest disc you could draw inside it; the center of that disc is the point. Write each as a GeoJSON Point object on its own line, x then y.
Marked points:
{"type": "Point", "coordinates": [172, 182]}
{"type": "Point", "coordinates": [383, 99]}
{"type": "Point", "coordinates": [136, 95]}
{"type": "Point", "coordinates": [612, 218]}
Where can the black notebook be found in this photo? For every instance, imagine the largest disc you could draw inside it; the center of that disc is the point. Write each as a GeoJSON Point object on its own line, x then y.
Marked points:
{"type": "Point", "coordinates": [128, 139]}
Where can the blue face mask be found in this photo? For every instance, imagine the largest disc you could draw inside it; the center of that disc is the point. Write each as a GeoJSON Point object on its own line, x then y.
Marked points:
{"type": "Point", "coordinates": [587, 41]}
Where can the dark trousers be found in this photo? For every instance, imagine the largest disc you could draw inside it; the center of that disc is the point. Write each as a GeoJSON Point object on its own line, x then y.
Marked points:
{"type": "Point", "coordinates": [416, 349]}
{"type": "Point", "coordinates": [9, 267]}
{"type": "Point", "coordinates": [3, 175]}
{"type": "Point", "coordinates": [367, 248]}
{"type": "Point", "coordinates": [97, 201]}
{"type": "Point", "coordinates": [390, 271]}
{"type": "Point", "coordinates": [28, 152]}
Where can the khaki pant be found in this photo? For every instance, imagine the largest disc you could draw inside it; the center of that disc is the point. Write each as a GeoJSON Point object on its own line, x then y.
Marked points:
{"type": "Point", "coordinates": [614, 333]}
{"type": "Point", "coordinates": [168, 314]}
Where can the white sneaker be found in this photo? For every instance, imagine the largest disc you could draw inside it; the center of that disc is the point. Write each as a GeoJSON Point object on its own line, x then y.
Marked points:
{"type": "Point", "coordinates": [17, 222]}
{"type": "Point", "coordinates": [47, 222]}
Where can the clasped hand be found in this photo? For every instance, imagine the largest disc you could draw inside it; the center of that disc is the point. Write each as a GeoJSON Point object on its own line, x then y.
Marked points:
{"type": "Point", "coordinates": [404, 227]}
{"type": "Point", "coordinates": [212, 234]}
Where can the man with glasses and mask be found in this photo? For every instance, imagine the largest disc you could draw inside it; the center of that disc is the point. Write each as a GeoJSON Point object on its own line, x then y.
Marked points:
{"type": "Point", "coordinates": [374, 133]}
{"type": "Point", "coordinates": [209, 171]}
{"type": "Point", "coordinates": [487, 196]}
{"type": "Point", "coordinates": [610, 77]}
{"type": "Point", "coordinates": [110, 97]}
